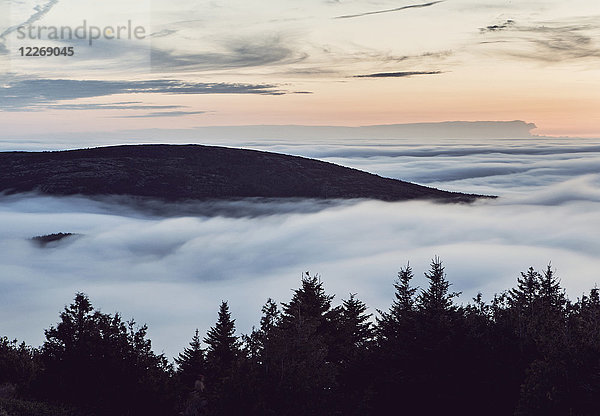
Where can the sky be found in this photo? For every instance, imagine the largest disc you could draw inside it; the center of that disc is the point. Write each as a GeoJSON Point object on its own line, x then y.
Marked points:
{"type": "Point", "coordinates": [319, 62]}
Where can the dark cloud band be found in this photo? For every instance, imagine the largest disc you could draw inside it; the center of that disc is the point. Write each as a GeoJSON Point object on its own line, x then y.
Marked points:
{"type": "Point", "coordinates": [165, 114]}
{"type": "Point", "coordinates": [33, 94]}
{"type": "Point", "coordinates": [404, 74]}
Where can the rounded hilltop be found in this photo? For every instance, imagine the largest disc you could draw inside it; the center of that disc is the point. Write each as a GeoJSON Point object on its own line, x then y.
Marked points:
{"type": "Point", "coordinates": [188, 172]}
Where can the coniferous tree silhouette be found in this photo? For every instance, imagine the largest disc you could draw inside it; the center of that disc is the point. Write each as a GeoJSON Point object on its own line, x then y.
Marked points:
{"type": "Point", "coordinates": [528, 352]}
{"type": "Point", "coordinates": [355, 324]}
{"type": "Point", "coordinates": [19, 364]}
{"type": "Point", "coordinates": [222, 361]}
{"type": "Point", "coordinates": [258, 342]}
{"type": "Point", "coordinates": [98, 362]}
{"type": "Point", "coordinates": [551, 293]}
{"type": "Point", "coordinates": [353, 341]}
{"type": "Point", "coordinates": [309, 305]}
{"type": "Point", "coordinates": [191, 362]}
{"type": "Point", "coordinates": [256, 371]}
{"type": "Point", "coordinates": [584, 350]}
{"type": "Point", "coordinates": [542, 323]}
{"type": "Point", "coordinates": [270, 319]}
{"type": "Point", "coordinates": [223, 345]}
{"type": "Point", "coordinates": [191, 369]}
{"type": "Point", "coordinates": [398, 320]}
{"type": "Point", "coordinates": [527, 290]}
{"type": "Point", "coordinates": [397, 349]}
{"type": "Point", "coordinates": [436, 299]}
{"type": "Point", "coordinates": [405, 293]}
{"type": "Point", "coordinates": [302, 369]}
{"type": "Point", "coordinates": [438, 341]}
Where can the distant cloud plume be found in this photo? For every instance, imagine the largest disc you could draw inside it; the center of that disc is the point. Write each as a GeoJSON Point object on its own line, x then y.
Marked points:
{"type": "Point", "coordinates": [40, 11]}
{"type": "Point", "coordinates": [397, 9]}
{"type": "Point", "coordinates": [386, 57]}
{"type": "Point", "coordinates": [163, 33]}
{"type": "Point", "coordinates": [550, 42]}
{"type": "Point", "coordinates": [404, 74]}
{"type": "Point", "coordinates": [496, 28]}
{"type": "Point", "coordinates": [241, 53]}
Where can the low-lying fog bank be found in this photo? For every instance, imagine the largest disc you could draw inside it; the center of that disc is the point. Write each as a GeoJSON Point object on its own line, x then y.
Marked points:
{"type": "Point", "coordinates": [172, 271]}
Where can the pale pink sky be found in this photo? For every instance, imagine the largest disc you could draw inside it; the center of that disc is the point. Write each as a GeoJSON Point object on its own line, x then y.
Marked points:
{"type": "Point", "coordinates": [233, 63]}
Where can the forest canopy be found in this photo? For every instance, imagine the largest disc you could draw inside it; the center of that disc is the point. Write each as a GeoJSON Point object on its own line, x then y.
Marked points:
{"type": "Point", "coordinates": [528, 351]}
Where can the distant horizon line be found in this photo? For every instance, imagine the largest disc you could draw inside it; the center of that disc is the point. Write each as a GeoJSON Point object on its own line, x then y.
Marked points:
{"type": "Point", "coordinates": [447, 129]}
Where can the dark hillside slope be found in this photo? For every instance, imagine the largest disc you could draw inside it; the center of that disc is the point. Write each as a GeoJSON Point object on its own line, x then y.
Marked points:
{"type": "Point", "coordinates": [183, 172]}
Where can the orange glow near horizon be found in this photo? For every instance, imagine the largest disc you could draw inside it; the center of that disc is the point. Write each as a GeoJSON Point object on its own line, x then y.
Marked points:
{"type": "Point", "coordinates": [441, 62]}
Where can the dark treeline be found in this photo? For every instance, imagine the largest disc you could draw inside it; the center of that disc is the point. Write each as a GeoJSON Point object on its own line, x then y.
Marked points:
{"type": "Point", "coordinates": [530, 351]}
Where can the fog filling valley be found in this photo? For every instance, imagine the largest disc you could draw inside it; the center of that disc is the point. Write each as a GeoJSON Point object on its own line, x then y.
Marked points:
{"type": "Point", "coordinates": [170, 266]}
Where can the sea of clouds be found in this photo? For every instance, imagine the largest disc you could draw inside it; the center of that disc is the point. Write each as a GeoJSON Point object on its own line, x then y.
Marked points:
{"type": "Point", "coordinates": [171, 265]}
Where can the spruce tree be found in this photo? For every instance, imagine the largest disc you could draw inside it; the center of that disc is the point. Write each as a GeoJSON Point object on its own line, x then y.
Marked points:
{"type": "Point", "coordinates": [191, 362]}
{"type": "Point", "coordinates": [18, 363]}
{"type": "Point", "coordinates": [355, 322]}
{"type": "Point", "coordinates": [223, 346]}
{"type": "Point", "coordinates": [309, 305]}
{"type": "Point", "coordinates": [353, 343]}
{"type": "Point", "coordinates": [437, 299]}
{"type": "Point", "coordinates": [256, 344]}
{"type": "Point", "coordinates": [102, 364]}
{"type": "Point", "coordinates": [392, 323]}
{"type": "Point", "coordinates": [550, 291]}
{"type": "Point", "coordinates": [397, 349]}
{"type": "Point", "coordinates": [271, 317]}
{"type": "Point", "coordinates": [302, 364]}
{"type": "Point", "coordinates": [527, 290]}
{"type": "Point", "coordinates": [405, 294]}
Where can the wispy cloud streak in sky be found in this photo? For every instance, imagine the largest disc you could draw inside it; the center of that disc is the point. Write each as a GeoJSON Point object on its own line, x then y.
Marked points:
{"type": "Point", "coordinates": [41, 11]}
{"type": "Point", "coordinates": [397, 9]}
{"type": "Point", "coordinates": [555, 41]}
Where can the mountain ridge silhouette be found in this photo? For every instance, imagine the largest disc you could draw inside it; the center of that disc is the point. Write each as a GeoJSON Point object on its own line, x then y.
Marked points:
{"type": "Point", "coordinates": [199, 172]}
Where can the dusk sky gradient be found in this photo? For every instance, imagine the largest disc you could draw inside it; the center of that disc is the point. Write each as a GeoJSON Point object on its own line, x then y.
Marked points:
{"type": "Point", "coordinates": [326, 62]}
